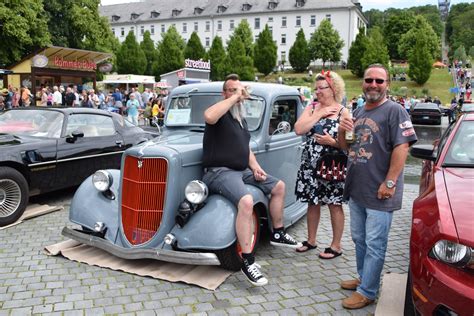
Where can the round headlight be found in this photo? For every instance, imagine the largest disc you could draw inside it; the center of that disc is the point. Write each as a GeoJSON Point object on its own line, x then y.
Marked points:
{"type": "Point", "coordinates": [102, 180]}
{"type": "Point", "coordinates": [196, 192]}
{"type": "Point", "coordinates": [451, 252]}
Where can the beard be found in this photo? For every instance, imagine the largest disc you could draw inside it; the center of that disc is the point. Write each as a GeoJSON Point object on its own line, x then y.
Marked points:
{"type": "Point", "coordinates": [237, 112]}
{"type": "Point", "coordinates": [374, 95]}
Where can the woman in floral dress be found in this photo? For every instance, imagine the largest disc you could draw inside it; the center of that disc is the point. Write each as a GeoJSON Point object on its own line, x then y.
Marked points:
{"type": "Point", "coordinates": [319, 122]}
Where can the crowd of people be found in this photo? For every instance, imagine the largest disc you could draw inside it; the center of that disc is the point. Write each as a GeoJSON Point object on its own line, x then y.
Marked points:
{"type": "Point", "coordinates": [383, 134]}
{"type": "Point", "coordinates": [131, 103]}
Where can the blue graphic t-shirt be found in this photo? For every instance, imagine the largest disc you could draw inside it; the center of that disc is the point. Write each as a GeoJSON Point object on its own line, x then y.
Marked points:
{"type": "Point", "coordinates": [377, 132]}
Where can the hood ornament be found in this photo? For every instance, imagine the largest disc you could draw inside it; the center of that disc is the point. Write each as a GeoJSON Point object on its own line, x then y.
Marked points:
{"type": "Point", "coordinates": [140, 163]}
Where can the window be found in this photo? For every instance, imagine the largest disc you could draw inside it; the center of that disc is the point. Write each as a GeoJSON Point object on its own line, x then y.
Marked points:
{"type": "Point", "coordinates": [134, 16]}
{"type": "Point", "coordinates": [257, 23]}
{"type": "Point", "coordinates": [312, 21]}
{"type": "Point", "coordinates": [272, 4]}
{"type": "Point", "coordinates": [328, 17]}
{"type": "Point", "coordinates": [142, 30]}
{"type": "Point", "coordinates": [115, 18]}
{"type": "Point", "coordinates": [208, 26]}
{"type": "Point", "coordinates": [91, 125]}
{"type": "Point", "coordinates": [154, 14]}
{"type": "Point", "coordinates": [176, 12]}
{"type": "Point", "coordinates": [196, 26]}
{"type": "Point", "coordinates": [283, 21]}
{"type": "Point", "coordinates": [298, 21]}
{"type": "Point", "coordinates": [283, 39]}
{"type": "Point", "coordinates": [246, 6]}
{"type": "Point", "coordinates": [270, 20]}
{"type": "Point", "coordinates": [221, 9]}
{"type": "Point", "coordinates": [219, 25]}
{"type": "Point", "coordinates": [300, 3]}
{"type": "Point", "coordinates": [113, 31]}
{"type": "Point", "coordinates": [122, 31]}
{"type": "Point", "coordinates": [208, 41]}
{"type": "Point", "coordinates": [185, 27]}
{"type": "Point", "coordinates": [198, 10]}
{"type": "Point", "coordinates": [270, 28]}
{"type": "Point", "coordinates": [231, 25]}
{"type": "Point", "coordinates": [152, 29]}
{"type": "Point", "coordinates": [283, 110]}
{"type": "Point", "coordinates": [283, 57]}
{"type": "Point", "coordinates": [163, 29]}
{"type": "Point", "coordinates": [132, 29]}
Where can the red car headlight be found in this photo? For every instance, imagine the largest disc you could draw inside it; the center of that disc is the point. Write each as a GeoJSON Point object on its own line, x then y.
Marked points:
{"type": "Point", "coordinates": [452, 253]}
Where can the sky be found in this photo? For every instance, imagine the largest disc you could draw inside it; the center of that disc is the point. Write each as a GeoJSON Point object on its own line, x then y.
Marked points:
{"type": "Point", "coordinates": [366, 4]}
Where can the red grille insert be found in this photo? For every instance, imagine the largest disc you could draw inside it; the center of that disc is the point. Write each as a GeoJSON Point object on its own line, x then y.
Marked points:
{"type": "Point", "coordinates": [143, 196]}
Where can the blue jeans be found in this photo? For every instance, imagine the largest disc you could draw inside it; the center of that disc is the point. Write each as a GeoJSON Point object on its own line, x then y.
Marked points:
{"type": "Point", "coordinates": [369, 230]}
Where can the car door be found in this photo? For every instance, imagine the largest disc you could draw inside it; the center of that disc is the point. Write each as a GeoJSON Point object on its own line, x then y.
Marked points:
{"type": "Point", "coordinates": [96, 145]}
{"type": "Point", "coordinates": [282, 153]}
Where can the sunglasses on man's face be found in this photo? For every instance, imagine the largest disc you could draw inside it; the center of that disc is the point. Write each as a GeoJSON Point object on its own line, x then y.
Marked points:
{"type": "Point", "coordinates": [377, 81]}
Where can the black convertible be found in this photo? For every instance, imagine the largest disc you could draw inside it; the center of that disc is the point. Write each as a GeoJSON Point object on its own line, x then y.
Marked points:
{"type": "Point", "coordinates": [46, 149]}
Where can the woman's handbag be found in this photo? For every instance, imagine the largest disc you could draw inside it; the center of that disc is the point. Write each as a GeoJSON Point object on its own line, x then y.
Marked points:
{"type": "Point", "coordinates": [331, 166]}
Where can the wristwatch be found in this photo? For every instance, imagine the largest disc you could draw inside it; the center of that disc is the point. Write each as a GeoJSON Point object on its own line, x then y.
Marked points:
{"type": "Point", "coordinates": [390, 184]}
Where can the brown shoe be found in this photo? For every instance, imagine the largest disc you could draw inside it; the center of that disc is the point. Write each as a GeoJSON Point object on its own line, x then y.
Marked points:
{"type": "Point", "coordinates": [350, 284]}
{"type": "Point", "coordinates": [356, 301]}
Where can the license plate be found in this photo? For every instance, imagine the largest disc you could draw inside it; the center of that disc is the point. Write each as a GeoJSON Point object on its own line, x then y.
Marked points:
{"type": "Point", "coordinates": [426, 117]}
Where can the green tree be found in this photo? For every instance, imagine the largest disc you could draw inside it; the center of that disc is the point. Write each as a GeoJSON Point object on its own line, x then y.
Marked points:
{"type": "Point", "coordinates": [460, 26]}
{"type": "Point", "coordinates": [375, 18]}
{"type": "Point", "coordinates": [376, 51]}
{"type": "Point", "coordinates": [397, 25]}
{"type": "Point", "coordinates": [460, 54]}
{"type": "Point", "coordinates": [170, 52]}
{"type": "Point", "coordinates": [237, 61]}
{"type": "Point", "coordinates": [432, 16]}
{"type": "Point", "coordinates": [265, 52]}
{"type": "Point", "coordinates": [299, 53]}
{"type": "Point", "coordinates": [356, 52]}
{"type": "Point", "coordinates": [471, 52]}
{"type": "Point", "coordinates": [148, 47]}
{"type": "Point", "coordinates": [244, 31]}
{"type": "Point", "coordinates": [23, 28]}
{"type": "Point", "coordinates": [420, 58]}
{"type": "Point", "coordinates": [194, 49]}
{"type": "Point", "coordinates": [408, 40]}
{"type": "Point", "coordinates": [325, 43]}
{"type": "Point", "coordinates": [217, 56]}
{"type": "Point", "coordinates": [130, 57]}
{"type": "Point", "coordinates": [78, 24]}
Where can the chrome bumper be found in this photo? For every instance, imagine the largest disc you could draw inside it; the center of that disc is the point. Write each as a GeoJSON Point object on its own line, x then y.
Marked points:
{"type": "Point", "coordinates": [196, 258]}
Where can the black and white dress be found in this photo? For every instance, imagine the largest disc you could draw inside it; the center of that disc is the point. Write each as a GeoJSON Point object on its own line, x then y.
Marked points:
{"type": "Point", "coordinates": [308, 188]}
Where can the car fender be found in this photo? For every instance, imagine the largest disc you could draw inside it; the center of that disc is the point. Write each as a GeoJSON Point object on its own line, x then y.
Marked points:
{"type": "Point", "coordinates": [90, 206]}
{"type": "Point", "coordinates": [213, 226]}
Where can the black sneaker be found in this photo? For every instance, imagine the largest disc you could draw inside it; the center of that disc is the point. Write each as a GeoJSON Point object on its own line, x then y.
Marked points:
{"type": "Point", "coordinates": [282, 239]}
{"type": "Point", "coordinates": [253, 274]}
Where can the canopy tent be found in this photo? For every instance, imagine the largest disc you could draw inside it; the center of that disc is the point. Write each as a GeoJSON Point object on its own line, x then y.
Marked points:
{"type": "Point", "coordinates": [128, 79]}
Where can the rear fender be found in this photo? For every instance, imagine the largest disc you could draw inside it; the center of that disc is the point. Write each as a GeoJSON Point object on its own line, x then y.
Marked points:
{"type": "Point", "coordinates": [89, 206]}
{"type": "Point", "coordinates": [213, 226]}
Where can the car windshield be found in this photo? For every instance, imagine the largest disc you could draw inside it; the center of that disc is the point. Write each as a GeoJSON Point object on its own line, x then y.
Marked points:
{"type": "Point", "coordinates": [461, 149]}
{"type": "Point", "coordinates": [36, 123]}
{"type": "Point", "coordinates": [468, 107]}
{"type": "Point", "coordinates": [425, 106]}
{"type": "Point", "coordinates": [188, 110]}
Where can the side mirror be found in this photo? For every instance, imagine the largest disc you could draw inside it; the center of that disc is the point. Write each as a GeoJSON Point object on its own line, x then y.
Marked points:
{"type": "Point", "coordinates": [425, 152]}
{"type": "Point", "coordinates": [74, 135]}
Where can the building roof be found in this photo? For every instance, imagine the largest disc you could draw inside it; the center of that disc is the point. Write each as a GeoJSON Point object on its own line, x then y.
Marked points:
{"type": "Point", "coordinates": [152, 10]}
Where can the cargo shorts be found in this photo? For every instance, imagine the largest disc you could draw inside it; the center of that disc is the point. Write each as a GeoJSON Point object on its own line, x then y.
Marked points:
{"type": "Point", "coordinates": [231, 183]}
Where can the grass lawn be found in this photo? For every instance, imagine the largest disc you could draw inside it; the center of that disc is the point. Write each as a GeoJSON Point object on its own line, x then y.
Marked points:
{"type": "Point", "coordinates": [438, 84]}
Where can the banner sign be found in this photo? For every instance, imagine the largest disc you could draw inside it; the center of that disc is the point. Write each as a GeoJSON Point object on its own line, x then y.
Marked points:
{"type": "Point", "coordinates": [74, 64]}
{"type": "Point", "coordinates": [197, 64]}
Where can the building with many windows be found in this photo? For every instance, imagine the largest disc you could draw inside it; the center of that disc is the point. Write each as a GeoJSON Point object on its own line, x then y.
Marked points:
{"type": "Point", "coordinates": [210, 18]}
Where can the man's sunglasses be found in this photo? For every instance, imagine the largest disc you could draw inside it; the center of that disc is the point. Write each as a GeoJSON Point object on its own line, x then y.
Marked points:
{"type": "Point", "coordinates": [377, 81]}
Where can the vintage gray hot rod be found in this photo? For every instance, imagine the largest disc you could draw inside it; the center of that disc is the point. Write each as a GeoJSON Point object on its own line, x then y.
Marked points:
{"type": "Point", "coordinates": [157, 207]}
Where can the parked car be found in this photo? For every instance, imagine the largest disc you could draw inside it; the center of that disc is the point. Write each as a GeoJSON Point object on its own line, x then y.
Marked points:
{"type": "Point", "coordinates": [467, 107]}
{"type": "Point", "coordinates": [157, 207]}
{"type": "Point", "coordinates": [425, 113]}
{"type": "Point", "coordinates": [46, 149]}
{"type": "Point", "coordinates": [441, 272]}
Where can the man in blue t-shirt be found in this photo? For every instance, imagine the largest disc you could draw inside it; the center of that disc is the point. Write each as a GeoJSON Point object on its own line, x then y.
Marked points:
{"type": "Point", "coordinates": [374, 185]}
{"type": "Point", "coordinates": [229, 164]}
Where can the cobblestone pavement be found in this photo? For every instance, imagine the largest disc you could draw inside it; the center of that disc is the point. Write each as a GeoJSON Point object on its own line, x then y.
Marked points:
{"type": "Point", "coordinates": [31, 282]}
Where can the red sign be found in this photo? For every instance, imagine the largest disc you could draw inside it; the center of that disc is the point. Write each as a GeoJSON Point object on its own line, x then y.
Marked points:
{"type": "Point", "coordinates": [74, 64]}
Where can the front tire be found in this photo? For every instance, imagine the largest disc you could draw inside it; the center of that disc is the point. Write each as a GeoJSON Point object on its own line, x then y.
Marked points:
{"type": "Point", "coordinates": [13, 195]}
{"type": "Point", "coordinates": [231, 257]}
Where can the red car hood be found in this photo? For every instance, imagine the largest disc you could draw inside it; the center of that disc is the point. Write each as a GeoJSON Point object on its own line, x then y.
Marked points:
{"type": "Point", "coordinates": [460, 188]}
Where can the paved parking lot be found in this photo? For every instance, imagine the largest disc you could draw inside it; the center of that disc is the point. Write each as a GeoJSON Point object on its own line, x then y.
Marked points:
{"type": "Point", "coordinates": [31, 282]}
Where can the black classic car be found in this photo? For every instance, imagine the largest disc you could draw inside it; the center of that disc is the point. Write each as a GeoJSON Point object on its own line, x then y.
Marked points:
{"type": "Point", "coordinates": [46, 149]}
{"type": "Point", "coordinates": [423, 113]}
